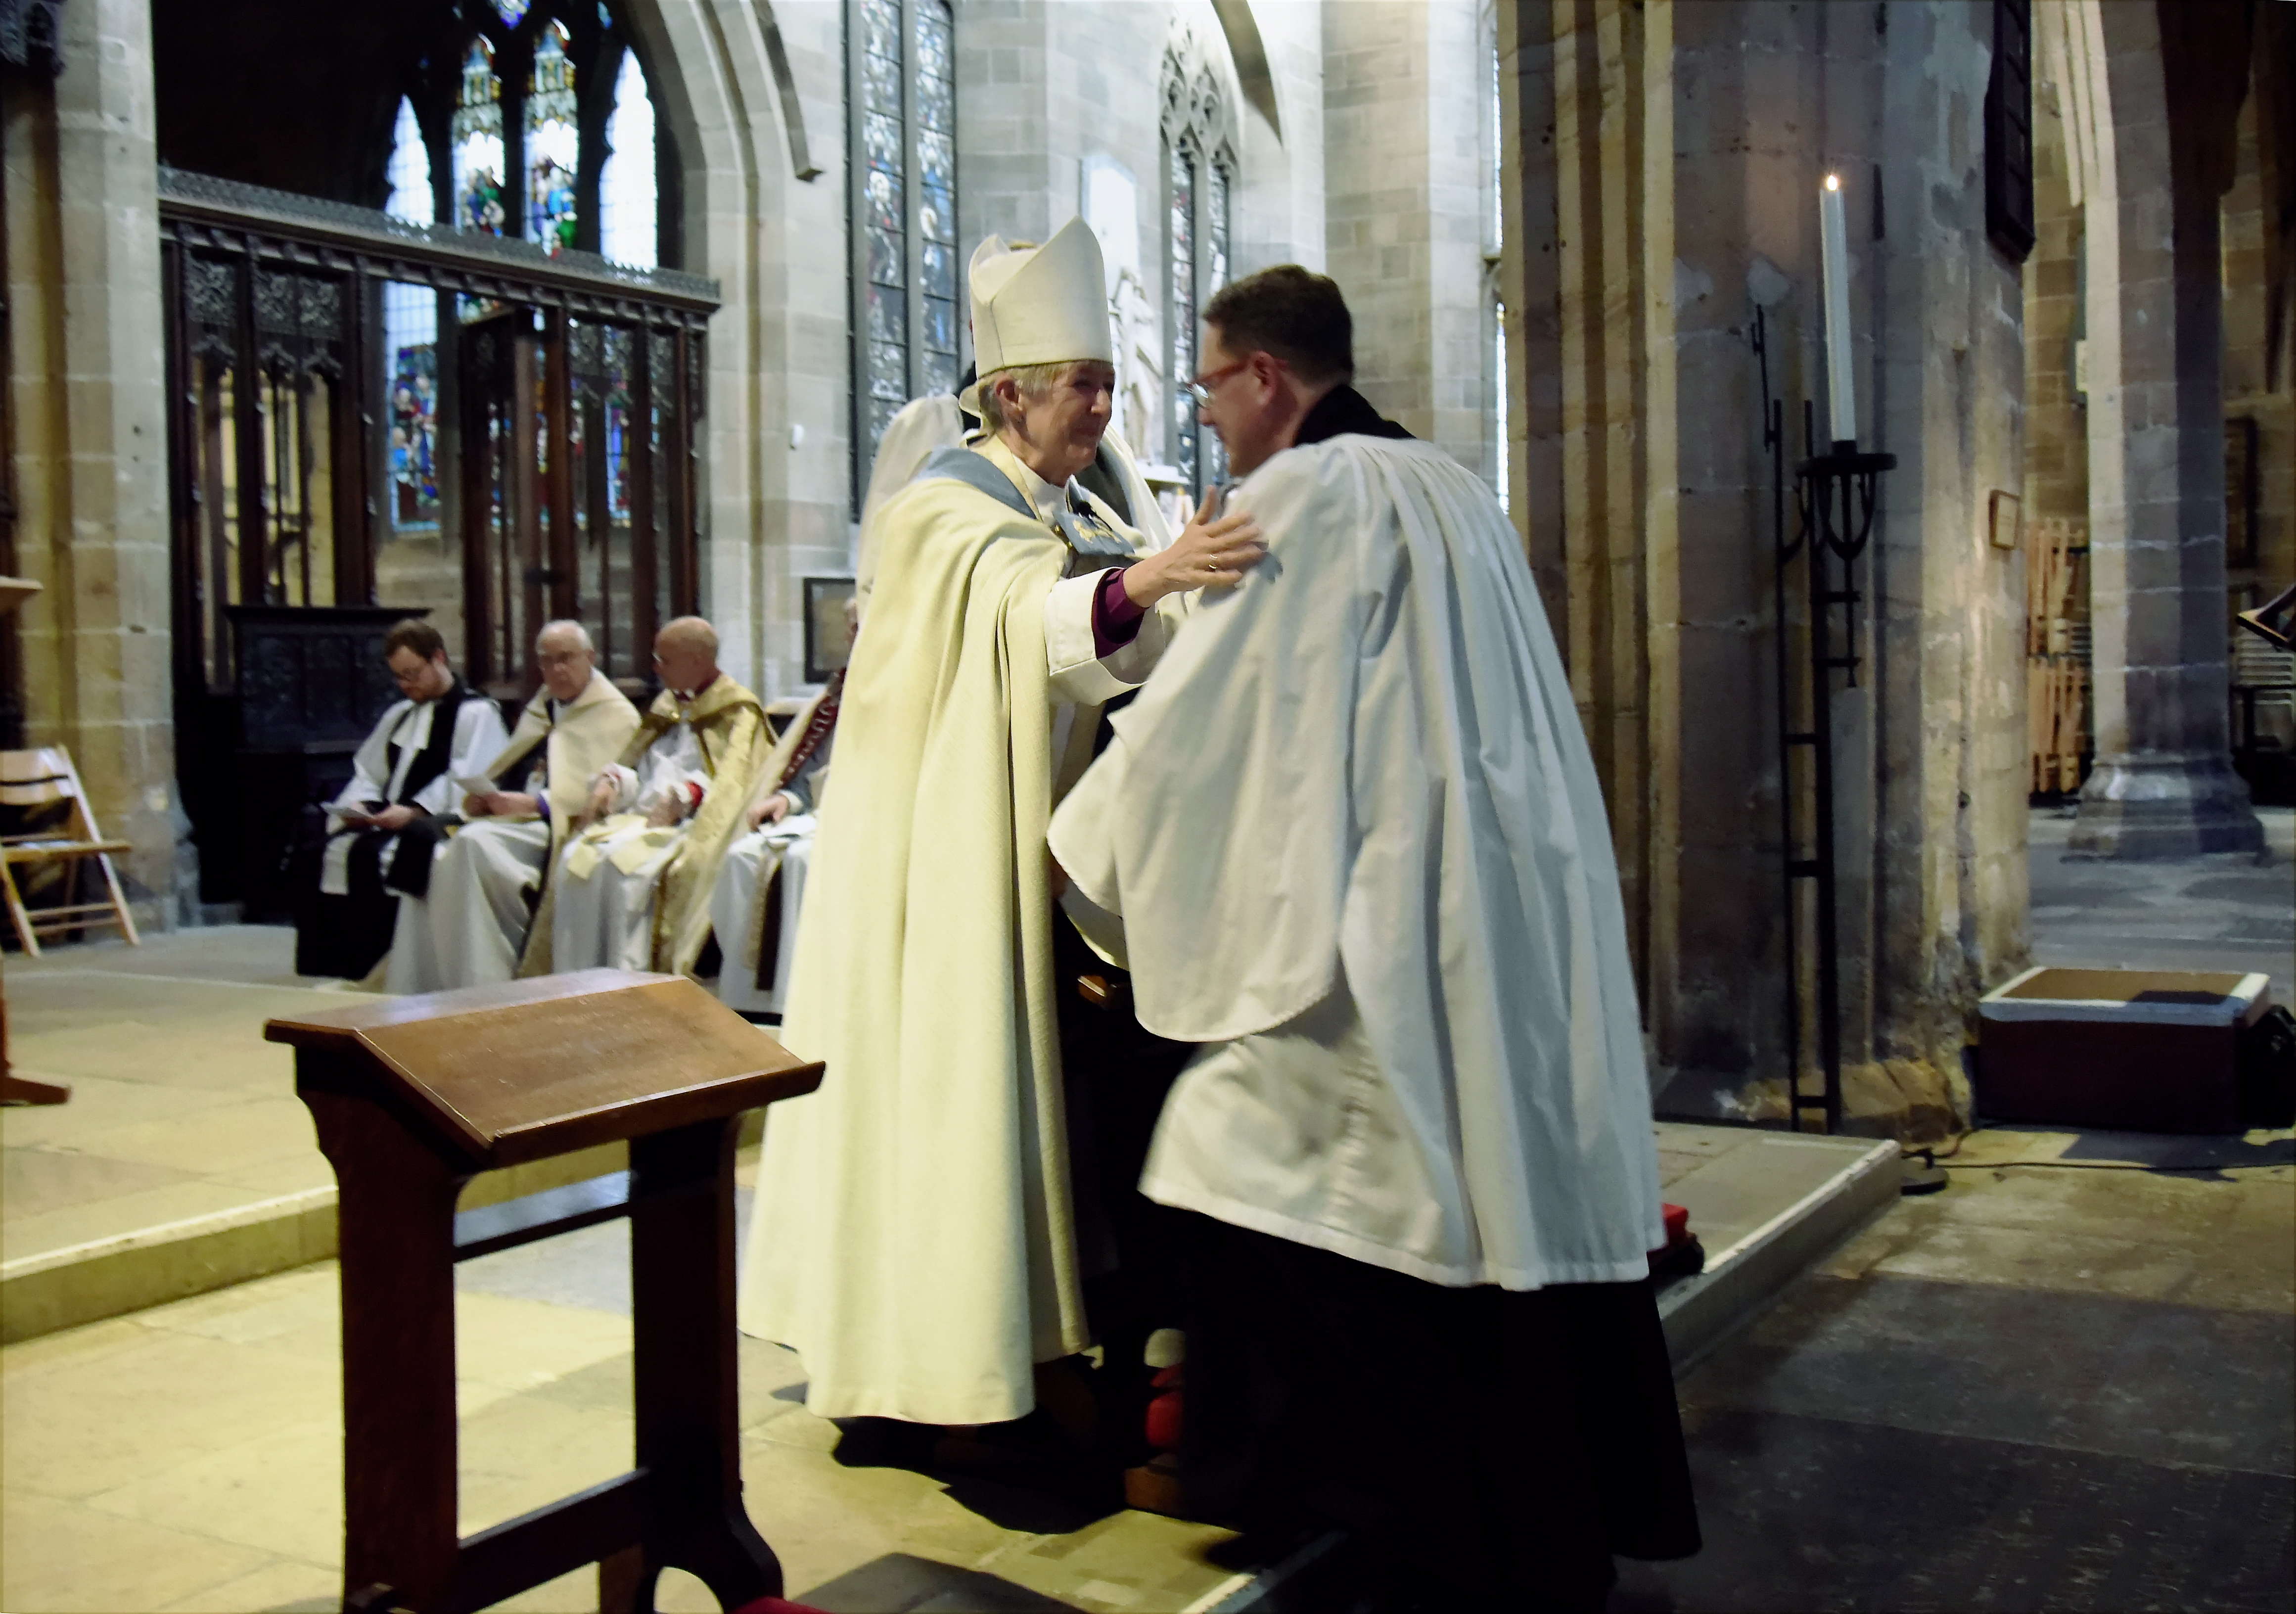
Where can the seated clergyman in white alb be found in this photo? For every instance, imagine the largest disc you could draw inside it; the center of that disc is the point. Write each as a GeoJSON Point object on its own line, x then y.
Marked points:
{"type": "Point", "coordinates": [632, 890]}
{"type": "Point", "coordinates": [1350, 841]}
{"type": "Point", "coordinates": [383, 824]}
{"type": "Point", "coordinates": [762, 886]}
{"type": "Point", "coordinates": [486, 879]}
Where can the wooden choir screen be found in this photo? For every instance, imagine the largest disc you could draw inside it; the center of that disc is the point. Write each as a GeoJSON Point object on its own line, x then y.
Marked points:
{"type": "Point", "coordinates": [371, 416]}
{"type": "Point", "coordinates": [560, 396]}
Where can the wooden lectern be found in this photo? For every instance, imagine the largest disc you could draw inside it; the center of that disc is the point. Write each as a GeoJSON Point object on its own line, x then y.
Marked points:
{"type": "Point", "coordinates": [413, 1095]}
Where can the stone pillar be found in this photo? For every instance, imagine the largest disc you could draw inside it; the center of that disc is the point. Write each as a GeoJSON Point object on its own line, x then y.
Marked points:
{"type": "Point", "coordinates": [88, 408]}
{"type": "Point", "coordinates": [775, 478]}
{"type": "Point", "coordinates": [1664, 161]}
{"type": "Point", "coordinates": [2163, 784]}
{"type": "Point", "coordinates": [1405, 88]}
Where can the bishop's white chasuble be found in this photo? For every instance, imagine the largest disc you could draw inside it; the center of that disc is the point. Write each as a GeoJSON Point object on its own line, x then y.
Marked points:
{"type": "Point", "coordinates": [914, 1238]}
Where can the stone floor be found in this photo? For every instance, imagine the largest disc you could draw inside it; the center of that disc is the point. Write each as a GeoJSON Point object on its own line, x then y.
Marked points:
{"type": "Point", "coordinates": [179, 1109]}
{"type": "Point", "coordinates": [2064, 1383]}
{"type": "Point", "coordinates": [2223, 912]}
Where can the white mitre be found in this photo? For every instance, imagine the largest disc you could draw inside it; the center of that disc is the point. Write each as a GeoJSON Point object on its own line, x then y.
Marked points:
{"type": "Point", "coordinates": [1043, 305]}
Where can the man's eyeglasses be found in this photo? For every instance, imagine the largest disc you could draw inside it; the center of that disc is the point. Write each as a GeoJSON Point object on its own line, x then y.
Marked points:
{"type": "Point", "coordinates": [1201, 388]}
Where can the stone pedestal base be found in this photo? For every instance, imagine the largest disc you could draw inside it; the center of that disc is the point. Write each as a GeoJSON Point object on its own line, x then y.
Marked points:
{"type": "Point", "coordinates": [2165, 806]}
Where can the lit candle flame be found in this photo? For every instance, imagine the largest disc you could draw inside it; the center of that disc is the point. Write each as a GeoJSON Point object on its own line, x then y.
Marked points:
{"type": "Point", "coordinates": [1833, 182]}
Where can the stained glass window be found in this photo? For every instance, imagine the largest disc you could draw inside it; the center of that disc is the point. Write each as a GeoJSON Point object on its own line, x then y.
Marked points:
{"type": "Point", "coordinates": [513, 12]}
{"type": "Point", "coordinates": [1180, 227]}
{"type": "Point", "coordinates": [1198, 187]}
{"type": "Point", "coordinates": [936, 162]}
{"type": "Point", "coordinates": [627, 204]}
{"type": "Point", "coordinates": [885, 223]}
{"type": "Point", "coordinates": [553, 142]}
{"type": "Point", "coordinates": [478, 143]}
{"type": "Point", "coordinates": [411, 196]}
{"type": "Point", "coordinates": [1215, 277]}
{"type": "Point", "coordinates": [410, 355]}
{"type": "Point", "coordinates": [909, 324]}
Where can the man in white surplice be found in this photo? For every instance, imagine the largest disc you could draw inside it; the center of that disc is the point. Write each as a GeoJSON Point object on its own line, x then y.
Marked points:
{"type": "Point", "coordinates": [760, 889]}
{"type": "Point", "coordinates": [918, 1238]}
{"type": "Point", "coordinates": [632, 891]}
{"type": "Point", "coordinates": [1349, 840]}
{"type": "Point", "coordinates": [469, 931]}
{"type": "Point", "coordinates": [382, 827]}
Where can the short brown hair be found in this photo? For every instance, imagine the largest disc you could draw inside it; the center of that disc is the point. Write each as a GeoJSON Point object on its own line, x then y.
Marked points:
{"type": "Point", "coordinates": [413, 633]}
{"type": "Point", "coordinates": [1295, 313]}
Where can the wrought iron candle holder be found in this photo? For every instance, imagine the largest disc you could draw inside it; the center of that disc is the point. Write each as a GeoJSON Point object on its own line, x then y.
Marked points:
{"type": "Point", "coordinates": [1834, 495]}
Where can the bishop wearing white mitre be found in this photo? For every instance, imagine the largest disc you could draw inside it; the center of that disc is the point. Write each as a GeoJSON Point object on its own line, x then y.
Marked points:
{"type": "Point", "coordinates": [470, 928]}
{"type": "Point", "coordinates": [632, 890]}
{"type": "Point", "coordinates": [1351, 843]}
{"type": "Point", "coordinates": [917, 1239]}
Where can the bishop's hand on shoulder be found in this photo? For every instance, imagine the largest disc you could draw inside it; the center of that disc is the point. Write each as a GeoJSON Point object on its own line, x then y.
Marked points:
{"type": "Point", "coordinates": [1213, 551]}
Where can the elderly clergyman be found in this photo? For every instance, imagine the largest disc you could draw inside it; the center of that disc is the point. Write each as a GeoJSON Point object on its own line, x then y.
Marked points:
{"type": "Point", "coordinates": [927, 1224]}
{"type": "Point", "coordinates": [470, 928]}
{"type": "Point", "coordinates": [632, 890]}
{"type": "Point", "coordinates": [1351, 843]}
{"type": "Point", "coordinates": [383, 826]}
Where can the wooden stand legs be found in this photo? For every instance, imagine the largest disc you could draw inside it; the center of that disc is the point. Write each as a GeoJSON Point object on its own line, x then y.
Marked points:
{"type": "Point", "coordinates": [396, 1218]}
{"type": "Point", "coordinates": [680, 1506]}
{"type": "Point", "coordinates": [682, 1260]}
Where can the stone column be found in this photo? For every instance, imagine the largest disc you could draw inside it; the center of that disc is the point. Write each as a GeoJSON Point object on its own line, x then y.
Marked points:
{"type": "Point", "coordinates": [1664, 162]}
{"type": "Point", "coordinates": [1404, 87]}
{"type": "Point", "coordinates": [2163, 784]}
{"type": "Point", "coordinates": [89, 412]}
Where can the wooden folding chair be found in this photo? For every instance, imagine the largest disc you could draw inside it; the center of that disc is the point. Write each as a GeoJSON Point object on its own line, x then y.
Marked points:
{"type": "Point", "coordinates": [44, 778]}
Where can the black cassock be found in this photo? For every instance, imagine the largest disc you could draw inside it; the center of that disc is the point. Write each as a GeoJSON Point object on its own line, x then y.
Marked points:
{"type": "Point", "coordinates": [346, 936]}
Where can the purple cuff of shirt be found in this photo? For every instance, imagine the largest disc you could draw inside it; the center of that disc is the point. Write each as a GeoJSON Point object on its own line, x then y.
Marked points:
{"type": "Point", "coordinates": [1115, 618]}
{"type": "Point", "coordinates": [542, 803]}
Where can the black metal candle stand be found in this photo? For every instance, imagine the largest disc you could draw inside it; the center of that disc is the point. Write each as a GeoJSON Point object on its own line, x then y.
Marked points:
{"type": "Point", "coordinates": [1834, 495]}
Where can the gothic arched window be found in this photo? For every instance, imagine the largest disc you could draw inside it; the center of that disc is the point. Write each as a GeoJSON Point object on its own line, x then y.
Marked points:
{"type": "Point", "coordinates": [478, 143]}
{"type": "Point", "coordinates": [907, 329]}
{"type": "Point", "coordinates": [1199, 184]}
{"type": "Point", "coordinates": [410, 342]}
{"type": "Point", "coordinates": [553, 142]}
{"type": "Point", "coordinates": [627, 204]}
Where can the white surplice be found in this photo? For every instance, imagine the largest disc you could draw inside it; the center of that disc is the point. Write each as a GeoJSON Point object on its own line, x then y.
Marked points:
{"type": "Point", "coordinates": [379, 773]}
{"type": "Point", "coordinates": [1350, 836]}
{"type": "Point", "coordinates": [467, 931]}
{"type": "Point", "coordinates": [745, 880]}
{"type": "Point", "coordinates": [604, 912]}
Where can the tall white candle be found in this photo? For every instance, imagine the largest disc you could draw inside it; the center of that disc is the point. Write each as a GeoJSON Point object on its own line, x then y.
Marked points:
{"type": "Point", "coordinates": [1840, 383]}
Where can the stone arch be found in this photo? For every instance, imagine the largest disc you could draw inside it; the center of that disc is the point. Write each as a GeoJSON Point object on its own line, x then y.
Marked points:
{"type": "Point", "coordinates": [1248, 52]}
{"type": "Point", "coordinates": [774, 430]}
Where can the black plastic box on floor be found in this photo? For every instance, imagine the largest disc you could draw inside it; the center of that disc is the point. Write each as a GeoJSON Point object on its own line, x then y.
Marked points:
{"type": "Point", "coordinates": [2130, 1049]}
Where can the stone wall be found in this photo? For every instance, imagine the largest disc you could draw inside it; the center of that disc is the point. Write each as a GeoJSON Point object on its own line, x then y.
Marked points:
{"type": "Point", "coordinates": [1406, 175]}
{"type": "Point", "coordinates": [1663, 163]}
{"type": "Point", "coordinates": [88, 407]}
{"type": "Point", "coordinates": [776, 427]}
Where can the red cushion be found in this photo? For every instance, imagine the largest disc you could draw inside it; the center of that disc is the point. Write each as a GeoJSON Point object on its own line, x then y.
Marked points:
{"type": "Point", "coordinates": [1164, 1421]}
